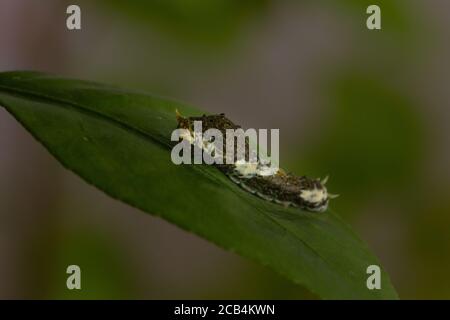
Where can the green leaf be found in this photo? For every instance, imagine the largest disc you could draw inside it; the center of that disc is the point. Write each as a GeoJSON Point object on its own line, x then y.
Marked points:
{"type": "Point", "coordinates": [119, 141]}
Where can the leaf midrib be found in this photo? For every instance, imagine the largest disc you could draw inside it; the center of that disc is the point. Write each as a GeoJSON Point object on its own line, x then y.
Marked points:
{"type": "Point", "coordinates": [58, 101]}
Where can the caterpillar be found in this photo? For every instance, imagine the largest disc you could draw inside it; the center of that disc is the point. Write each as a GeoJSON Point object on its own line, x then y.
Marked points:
{"type": "Point", "coordinates": [259, 178]}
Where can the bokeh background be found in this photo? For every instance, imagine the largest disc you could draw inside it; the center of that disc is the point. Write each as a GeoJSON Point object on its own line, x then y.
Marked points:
{"type": "Point", "coordinates": [369, 108]}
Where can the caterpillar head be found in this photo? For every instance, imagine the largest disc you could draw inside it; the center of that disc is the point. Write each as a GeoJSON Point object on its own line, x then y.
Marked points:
{"type": "Point", "coordinates": [316, 197]}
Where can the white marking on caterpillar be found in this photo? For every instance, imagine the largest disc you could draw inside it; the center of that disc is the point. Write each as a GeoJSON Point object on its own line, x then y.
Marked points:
{"type": "Point", "coordinates": [247, 188]}
{"type": "Point", "coordinates": [284, 203]}
{"type": "Point", "coordinates": [234, 179]}
{"type": "Point", "coordinates": [314, 195]}
{"type": "Point", "coordinates": [265, 197]}
{"type": "Point", "coordinates": [246, 169]}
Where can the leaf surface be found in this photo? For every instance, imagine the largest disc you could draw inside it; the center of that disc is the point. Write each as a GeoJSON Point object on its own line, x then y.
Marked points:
{"type": "Point", "coordinates": [119, 141]}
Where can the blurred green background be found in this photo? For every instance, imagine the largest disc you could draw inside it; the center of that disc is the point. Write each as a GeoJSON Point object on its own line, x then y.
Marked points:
{"type": "Point", "coordinates": [369, 108]}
